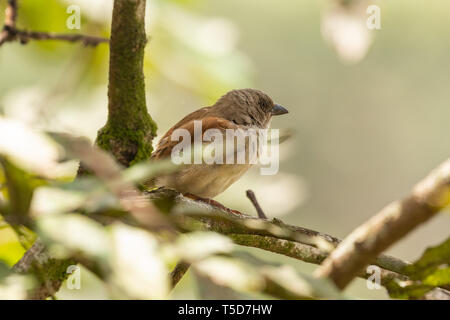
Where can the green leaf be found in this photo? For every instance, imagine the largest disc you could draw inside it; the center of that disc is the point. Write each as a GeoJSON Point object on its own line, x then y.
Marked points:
{"type": "Point", "coordinates": [407, 290]}
{"type": "Point", "coordinates": [430, 261]}
{"type": "Point", "coordinates": [440, 277]}
{"type": "Point", "coordinates": [429, 271]}
{"type": "Point", "coordinates": [10, 251]}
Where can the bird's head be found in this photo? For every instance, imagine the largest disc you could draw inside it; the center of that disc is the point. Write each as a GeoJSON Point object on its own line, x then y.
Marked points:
{"type": "Point", "coordinates": [249, 107]}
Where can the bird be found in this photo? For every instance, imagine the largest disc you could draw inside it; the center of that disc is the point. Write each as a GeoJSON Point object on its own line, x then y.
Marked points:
{"type": "Point", "coordinates": [240, 110]}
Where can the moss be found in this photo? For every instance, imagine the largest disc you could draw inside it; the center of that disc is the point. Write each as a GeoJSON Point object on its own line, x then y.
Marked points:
{"type": "Point", "coordinates": [285, 247]}
{"type": "Point", "coordinates": [128, 145]}
{"type": "Point", "coordinates": [54, 269]}
{"type": "Point", "coordinates": [50, 276]}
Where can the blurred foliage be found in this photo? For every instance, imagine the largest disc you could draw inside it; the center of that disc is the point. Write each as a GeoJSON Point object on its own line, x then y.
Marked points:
{"type": "Point", "coordinates": [74, 72]}
{"type": "Point", "coordinates": [432, 269]}
{"type": "Point", "coordinates": [130, 260]}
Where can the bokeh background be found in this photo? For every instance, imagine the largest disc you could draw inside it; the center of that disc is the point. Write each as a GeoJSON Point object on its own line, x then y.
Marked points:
{"type": "Point", "coordinates": [369, 109]}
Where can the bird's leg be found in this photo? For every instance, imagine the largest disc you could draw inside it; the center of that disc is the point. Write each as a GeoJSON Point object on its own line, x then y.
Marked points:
{"type": "Point", "coordinates": [211, 202]}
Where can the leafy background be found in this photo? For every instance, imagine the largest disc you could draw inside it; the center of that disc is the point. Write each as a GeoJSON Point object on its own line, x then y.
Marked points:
{"type": "Point", "coordinates": [364, 132]}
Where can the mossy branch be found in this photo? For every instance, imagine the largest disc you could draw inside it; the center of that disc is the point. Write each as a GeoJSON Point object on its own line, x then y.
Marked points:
{"type": "Point", "coordinates": [129, 130]}
{"type": "Point", "coordinates": [275, 236]}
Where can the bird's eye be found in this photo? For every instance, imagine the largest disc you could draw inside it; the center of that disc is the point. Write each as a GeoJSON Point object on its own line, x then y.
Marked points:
{"type": "Point", "coordinates": [265, 104]}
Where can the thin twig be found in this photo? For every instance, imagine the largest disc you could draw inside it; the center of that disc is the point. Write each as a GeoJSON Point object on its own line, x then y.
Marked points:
{"type": "Point", "coordinates": [251, 196]}
{"type": "Point", "coordinates": [24, 36]}
{"type": "Point", "coordinates": [11, 33]}
{"type": "Point", "coordinates": [10, 21]}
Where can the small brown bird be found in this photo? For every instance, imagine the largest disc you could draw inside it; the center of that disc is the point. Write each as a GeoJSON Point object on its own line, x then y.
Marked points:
{"type": "Point", "coordinates": [238, 110]}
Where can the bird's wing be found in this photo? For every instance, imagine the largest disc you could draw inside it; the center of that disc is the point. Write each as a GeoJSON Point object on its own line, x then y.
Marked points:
{"type": "Point", "coordinates": [166, 145]}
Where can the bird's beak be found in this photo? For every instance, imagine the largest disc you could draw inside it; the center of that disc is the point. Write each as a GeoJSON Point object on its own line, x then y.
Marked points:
{"type": "Point", "coordinates": [278, 110]}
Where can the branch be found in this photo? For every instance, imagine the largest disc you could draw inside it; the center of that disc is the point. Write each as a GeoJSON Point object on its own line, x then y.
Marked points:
{"type": "Point", "coordinates": [392, 223]}
{"type": "Point", "coordinates": [48, 271]}
{"type": "Point", "coordinates": [284, 241]}
{"type": "Point", "coordinates": [300, 251]}
{"type": "Point", "coordinates": [129, 130]}
{"type": "Point", "coordinates": [275, 236]}
{"type": "Point", "coordinates": [178, 272]}
{"type": "Point", "coordinates": [11, 33]}
{"type": "Point", "coordinates": [271, 235]}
